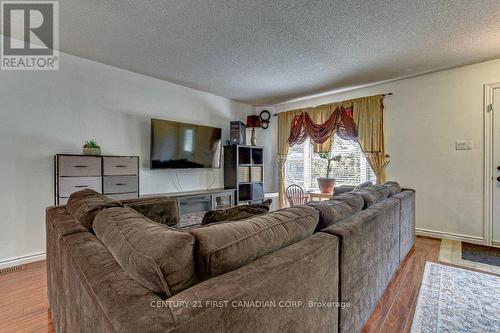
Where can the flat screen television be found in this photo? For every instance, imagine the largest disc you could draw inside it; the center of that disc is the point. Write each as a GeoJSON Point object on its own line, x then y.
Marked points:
{"type": "Point", "coordinates": [176, 145]}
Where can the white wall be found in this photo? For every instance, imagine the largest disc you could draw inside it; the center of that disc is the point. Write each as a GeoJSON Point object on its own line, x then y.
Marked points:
{"type": "Point", "coordinates": [267, 138]}
{"type": "Point", "coordinates": [45, 113]}
{"type": "Point", "coordinates": [423, 119]}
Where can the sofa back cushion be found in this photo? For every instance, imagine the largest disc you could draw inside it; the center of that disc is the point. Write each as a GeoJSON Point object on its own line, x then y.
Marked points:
{"type": "Point", "coordinates": [223, 247]}
{"type": "Point", "coordinates": [372, 194]}
{"type": "Point", "coordinates": [338, 190]}
{"type": "Point", "coordinates": [237, 213]}
{"type": "Point", "coordinates": [84, 205]}
{"type": "Point", "coordinates": [160, 209]}
{"type": "Point", "coordinates": [158, 257]}
{"type": "Point", "coordinates": [337, 209]}
{"type": "Point", "coordinates": [393, 188]}
{"type": "Point", "coordinates": [364, 184]}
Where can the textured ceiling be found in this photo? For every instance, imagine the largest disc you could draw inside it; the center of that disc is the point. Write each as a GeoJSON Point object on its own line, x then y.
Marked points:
{"type": "Point", "coordinates": [264, 52]}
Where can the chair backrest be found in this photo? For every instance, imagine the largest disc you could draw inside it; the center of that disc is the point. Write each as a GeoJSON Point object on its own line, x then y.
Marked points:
{"type": "Point", "coordinates": [295, 195]}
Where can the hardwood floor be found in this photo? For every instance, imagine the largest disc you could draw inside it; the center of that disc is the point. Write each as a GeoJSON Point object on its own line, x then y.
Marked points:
{"type": "Point", "coordinates": [24, 305]}
{"type": "Point", "coordinates": [394, 312]}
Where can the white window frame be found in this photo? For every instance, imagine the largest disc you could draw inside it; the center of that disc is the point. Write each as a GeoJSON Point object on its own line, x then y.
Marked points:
{"type": "Point", "coordinates": [307, 155]}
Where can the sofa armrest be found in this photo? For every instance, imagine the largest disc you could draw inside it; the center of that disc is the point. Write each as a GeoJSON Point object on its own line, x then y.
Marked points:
{"type": "Point", "coordinates": [270, 294]}
{"type": "Point", "coordinates": [407, 221]}
{"type": "Point", "coordinates": [369, 256]}
{"type": "Point", "coordinates": [95, 294]}
{"type": "Point", "coordinates": [62, 222]}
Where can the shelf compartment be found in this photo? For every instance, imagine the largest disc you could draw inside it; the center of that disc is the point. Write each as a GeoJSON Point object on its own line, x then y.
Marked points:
{"type": "Point", "coordinates": [243, 174]}
{"type": "Point", "coordinates": [245, 155]}
{"type": "Point", "coordinates": [257, 155]}
{"type": "Point", "coordinates": [194, 204]}
{"type": "Point", "coordinates": [257, 191]}
{"type": "Point", "coordinates": [245, 191]}
{"type": "Point", "coordinates": [256, 174]}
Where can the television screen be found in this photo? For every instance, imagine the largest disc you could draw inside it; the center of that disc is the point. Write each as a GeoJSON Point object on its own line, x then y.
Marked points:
{"type": "Point", "coordinates": [177, 145]}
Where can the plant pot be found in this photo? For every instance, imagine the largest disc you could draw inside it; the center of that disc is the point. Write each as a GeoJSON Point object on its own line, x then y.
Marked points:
{"type": "Point", "coordinates": [326, 185]}
{"type": "Point", "coordinates": [91, 151]}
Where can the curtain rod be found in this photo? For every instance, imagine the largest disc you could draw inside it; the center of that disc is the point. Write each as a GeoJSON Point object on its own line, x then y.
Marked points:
{"type": "Point", "coordinates": [386, 94]}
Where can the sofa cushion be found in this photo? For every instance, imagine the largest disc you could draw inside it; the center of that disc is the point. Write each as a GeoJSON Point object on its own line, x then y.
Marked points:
{"type": "Point", "coordinates": [236, 213]}
{"type": "Point", "coordinates": [393, 188]}
{"type": "Point", "coordinates": [372, 194]}
{"type": "Point", "coordinates": [365, 184]}
{"type": "Point", "coordinates": [156, 256]}
{"type": "Point", "coordinates": [84, 205]}
{"type": "Point", "coordinates": [160, 210]}
{"type": "Point", "coordinates": [342, 189]}
{"type": "Point", "coordinates": [337, 209]}
{"type": "Point", "coordinates": [223, 247]}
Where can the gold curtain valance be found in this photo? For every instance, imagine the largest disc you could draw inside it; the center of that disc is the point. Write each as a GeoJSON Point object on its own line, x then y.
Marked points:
{"type": "Point", "coordinates": [367, 114]}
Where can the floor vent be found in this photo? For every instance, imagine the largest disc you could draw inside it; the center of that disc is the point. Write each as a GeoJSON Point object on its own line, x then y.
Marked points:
{"type": "Point", "coordinates": [11, 270]}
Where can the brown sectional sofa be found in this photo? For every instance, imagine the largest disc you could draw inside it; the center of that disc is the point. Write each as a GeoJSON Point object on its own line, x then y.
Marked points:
{"type": "Point", "coordinates": [407, 222]}
{"type": "Point", "coordinates": [369, 256]}
{"type": "Point", "coordinates": [111, 269]}
{"type": "Point", "coordinates": [373, 242]}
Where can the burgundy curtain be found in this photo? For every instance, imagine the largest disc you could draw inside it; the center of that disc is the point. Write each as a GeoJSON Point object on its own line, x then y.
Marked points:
{"type": "Point", "coordinates": [340, 122]}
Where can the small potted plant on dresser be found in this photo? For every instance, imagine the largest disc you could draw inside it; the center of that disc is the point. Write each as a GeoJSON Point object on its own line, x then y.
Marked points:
{"type": "Point", "coordinates": [91, 148]}
{"type": "Point", "coordinates": [326, 184]}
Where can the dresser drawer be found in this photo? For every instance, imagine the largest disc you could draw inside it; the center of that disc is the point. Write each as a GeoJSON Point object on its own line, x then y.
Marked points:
{"type": "Point", "coordinates": [79, 165]}
{"type": "Point", "coordinates": [123, 196]}
{"type": "Point", "coordinates": [120, 184]}
{"type": "Point", "coordinates": [115, 166]}
{"type": "Point", "coordinates": [68, 185]}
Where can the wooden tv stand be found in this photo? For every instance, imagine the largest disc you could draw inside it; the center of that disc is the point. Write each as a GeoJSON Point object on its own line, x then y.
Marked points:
{"type": "Point", "coordinates": [194, 204]}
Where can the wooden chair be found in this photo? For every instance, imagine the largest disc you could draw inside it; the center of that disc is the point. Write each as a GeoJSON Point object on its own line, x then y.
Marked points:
{"type": "Point", "coordinates": [296, 195]}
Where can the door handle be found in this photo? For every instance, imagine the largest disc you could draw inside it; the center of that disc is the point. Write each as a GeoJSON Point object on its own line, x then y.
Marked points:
{"type": "Point", "coordinates": [498, 168]}
{"type": "Point", "coordinates": [498, 179]}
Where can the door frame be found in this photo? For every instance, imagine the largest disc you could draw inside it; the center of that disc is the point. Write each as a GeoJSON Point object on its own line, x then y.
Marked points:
{"type": "Point", "coordinates": [488, 163]}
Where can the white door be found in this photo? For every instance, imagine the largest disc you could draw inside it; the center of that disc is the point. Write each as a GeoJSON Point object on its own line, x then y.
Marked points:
{"type": "Point", "coordinates": [496, 167]}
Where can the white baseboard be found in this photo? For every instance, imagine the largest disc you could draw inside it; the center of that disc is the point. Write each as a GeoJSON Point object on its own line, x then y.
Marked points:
{"type": "Point", "coordinates": [22, 260]}
{"type": "Point", "coordinates": [449, 235]}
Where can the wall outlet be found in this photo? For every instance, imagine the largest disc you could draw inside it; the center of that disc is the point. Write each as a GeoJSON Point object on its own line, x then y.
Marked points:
{"type": "Point", "coordinates": [463, 145]}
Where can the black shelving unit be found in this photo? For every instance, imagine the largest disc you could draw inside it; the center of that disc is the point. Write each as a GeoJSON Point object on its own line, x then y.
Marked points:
{"type": "Point", "coordinates": [244, 171]}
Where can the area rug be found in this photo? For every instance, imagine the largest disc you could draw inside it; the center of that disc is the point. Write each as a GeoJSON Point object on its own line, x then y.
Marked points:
{"type": "Point", "coordinates": [479, 253]}
{"type": "Point", "coordinates": [451, 253]}
{"type": "Point", "coordinates": [457, 300]}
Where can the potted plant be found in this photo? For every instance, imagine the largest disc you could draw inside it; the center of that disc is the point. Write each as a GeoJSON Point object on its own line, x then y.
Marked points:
{"type": "Point", "coordinates": [326, 184]}
{"type": "Point", "coordinates": [91, 148]}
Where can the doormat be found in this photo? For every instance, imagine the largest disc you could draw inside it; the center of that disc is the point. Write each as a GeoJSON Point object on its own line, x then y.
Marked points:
{"type": "Point", "coordinates": [451, 253]}
{"type": "Point", "coordinates": [480, 253]}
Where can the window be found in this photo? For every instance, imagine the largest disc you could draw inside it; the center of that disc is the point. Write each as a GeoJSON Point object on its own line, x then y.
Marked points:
{"type": "Point", "coordinates": [188, 140]}
{"type": "Point", "coordinates": [303, 166]}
